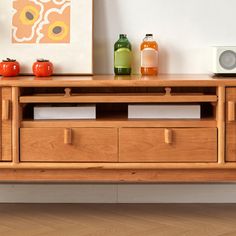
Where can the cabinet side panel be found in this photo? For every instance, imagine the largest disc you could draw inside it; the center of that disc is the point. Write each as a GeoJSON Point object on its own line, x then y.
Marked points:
{"type": "Point", "coordinates": [230, 126]}
{"type": "Point", "coordinates": [6, 127]}
{"type": "Point", "coordinates": [1, 125]}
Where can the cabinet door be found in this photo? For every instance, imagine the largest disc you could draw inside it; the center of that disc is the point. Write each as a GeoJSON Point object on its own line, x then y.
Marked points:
{"type": "Point", "coordinates": [231, 124]}
{"type": "Point", "coordinates": [6, 124]}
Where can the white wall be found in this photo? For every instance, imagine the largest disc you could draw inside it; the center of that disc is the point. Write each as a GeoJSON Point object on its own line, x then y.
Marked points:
{"type": "Point", "coordinates": [185, 29]}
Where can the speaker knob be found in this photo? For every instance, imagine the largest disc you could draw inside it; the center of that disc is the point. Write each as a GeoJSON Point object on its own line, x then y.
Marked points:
{"type": "Point", "coordinates": [228, 60]}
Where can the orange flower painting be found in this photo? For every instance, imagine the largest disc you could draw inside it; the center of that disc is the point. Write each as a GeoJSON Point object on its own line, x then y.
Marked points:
{"type": "Point", "coordinates": [41, 21]}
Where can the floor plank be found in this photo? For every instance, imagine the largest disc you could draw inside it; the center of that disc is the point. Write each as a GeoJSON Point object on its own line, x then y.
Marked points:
{"type": "Point", "coordinates": [117, 219]}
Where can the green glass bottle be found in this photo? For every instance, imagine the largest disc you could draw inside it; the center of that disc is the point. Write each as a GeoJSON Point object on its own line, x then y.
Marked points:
{"type": "Point", "coordinates": [123, 56]}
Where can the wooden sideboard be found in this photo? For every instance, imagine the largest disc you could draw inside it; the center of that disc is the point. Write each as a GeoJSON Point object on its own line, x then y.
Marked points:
{"type": "Point", "coordinates": [113, 148]}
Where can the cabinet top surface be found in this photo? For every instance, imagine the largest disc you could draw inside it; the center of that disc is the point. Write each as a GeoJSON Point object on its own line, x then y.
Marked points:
{"type": "Point", "coordinates": [118, 81]}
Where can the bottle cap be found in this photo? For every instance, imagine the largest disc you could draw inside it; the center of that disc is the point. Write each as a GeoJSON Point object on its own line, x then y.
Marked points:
{"type": "Point", "coordinates": [149, 35]}
{"type": "Point", "coordinates": [123, 35]}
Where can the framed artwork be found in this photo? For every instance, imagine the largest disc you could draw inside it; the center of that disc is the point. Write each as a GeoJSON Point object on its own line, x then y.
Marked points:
{"type": "Point", "coordinates": [58, 30]}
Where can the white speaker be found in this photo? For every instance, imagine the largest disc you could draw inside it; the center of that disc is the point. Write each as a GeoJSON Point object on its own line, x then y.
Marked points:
{"type": "Point", "coordinates": [224, 60]}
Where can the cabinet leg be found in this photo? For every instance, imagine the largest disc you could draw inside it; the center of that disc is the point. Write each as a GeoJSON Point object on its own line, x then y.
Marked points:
{"type": "Point", "coordinates": [221, 124]}
{"type": "Point", "coordinates": [15, 125]}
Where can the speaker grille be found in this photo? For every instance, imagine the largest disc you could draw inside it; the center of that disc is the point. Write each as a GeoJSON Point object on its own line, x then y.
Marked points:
{"type": "Point", "coordinates": [228, 60]}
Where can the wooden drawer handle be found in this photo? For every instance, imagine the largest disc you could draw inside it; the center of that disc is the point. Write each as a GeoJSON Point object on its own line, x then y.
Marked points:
{"type": "Point", "coordinates": [67, 92]}
{"type": "Point", "coordinates": [231, 111]}
{"type": "Point", "coordinates": [5, 110]}
{"type": "Point", "coordinates": [168, 136]}
{"type": "Point", "coordinates": [68, 136]}
{"type": "Point", "coordinates": [168, 91]}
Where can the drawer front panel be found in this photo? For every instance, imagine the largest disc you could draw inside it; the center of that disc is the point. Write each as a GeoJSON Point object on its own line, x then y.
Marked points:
{"type": "Point", "coordinates": [68, 145]}
{"type": "Point", "coordinates": [168, 145]}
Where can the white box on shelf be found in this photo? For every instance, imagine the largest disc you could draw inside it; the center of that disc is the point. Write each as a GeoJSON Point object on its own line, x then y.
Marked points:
{"type": "Point", "coordinates": [65, 113]}
{"type": "Point", "coordinates": [164, 112]}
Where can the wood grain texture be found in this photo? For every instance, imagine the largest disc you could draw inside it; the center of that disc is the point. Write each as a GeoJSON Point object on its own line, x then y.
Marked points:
{"type": "Point", "coordinates": [119, 81]}
{"type": "Point", "coordinates": [68, 136]}
{"type": "Point", "coordinates": [117, 219]}
{"type": "Point", "coordinates": [186, 153]}
{"type": "Point", "coordinates": [7, 126]}
{"type": "Point", "coordinates": [221, 123]}
{"type": "Point", "coordinates": [89, 145]}
{"type": "Point", "coordinates": [5, 110]}
{"type": "Point", "coordinates": [119, 98]}
{"type": "Point", "coordinates": [15, 125]}
{"type": "Point", "coordinates": [231, 142]}
{"type": "Point", "coordinates": [230, 126]}
{"type": "Point", "coordinates": [148, 145]}
{"type": "Point", "coordinates": [168, 136]}
{"type": "Point", "coordinates": [118, 176]}
{"type": "Point", "coordinates": [231, 111]}
{"type": "Point", "coordinates": [118, 166]}
{"type": "Point", "coordinates": [121, 122]}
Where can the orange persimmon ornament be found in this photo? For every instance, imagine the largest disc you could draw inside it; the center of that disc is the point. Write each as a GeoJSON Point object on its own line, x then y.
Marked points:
{"type": "Point", "coordinates": [9, 68]}
{"type": "Point", "coordinates": [43, 68]}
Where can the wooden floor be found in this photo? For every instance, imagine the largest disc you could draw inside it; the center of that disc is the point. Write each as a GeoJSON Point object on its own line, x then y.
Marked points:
{"type": "Point", "coordinates": [113, 220]}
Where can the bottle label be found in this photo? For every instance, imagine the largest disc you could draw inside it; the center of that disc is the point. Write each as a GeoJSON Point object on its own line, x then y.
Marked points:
{"type": "Point", "coordinates": [123, 58]}
{"type": "Point", "coordinates": [149, 58]}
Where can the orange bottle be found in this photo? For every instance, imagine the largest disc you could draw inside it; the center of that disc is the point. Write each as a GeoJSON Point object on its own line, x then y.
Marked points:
{"type": "Point", "coordinates": [149, 56]}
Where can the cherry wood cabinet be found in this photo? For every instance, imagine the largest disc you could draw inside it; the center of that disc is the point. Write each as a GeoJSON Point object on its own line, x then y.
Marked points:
{"type": "Point", "coordinates": [113, 148]}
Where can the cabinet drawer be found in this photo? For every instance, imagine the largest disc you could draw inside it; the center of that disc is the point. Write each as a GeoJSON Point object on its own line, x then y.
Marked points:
{"type": "Point", "coordinates": [168, 145]}
{"type": "Point", "coordinates": [68, 145]}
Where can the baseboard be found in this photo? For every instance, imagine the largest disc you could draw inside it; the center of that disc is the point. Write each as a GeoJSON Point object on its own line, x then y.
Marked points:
{"type": "Point", "coordinates": [68, 193]}
{"type": "Point", "coordinates": [161, 193]}
{"type": "Point", "coordinates": [177, 193]}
